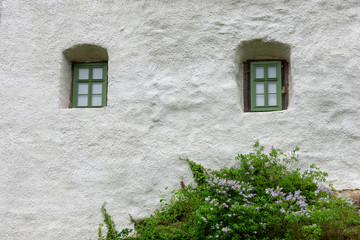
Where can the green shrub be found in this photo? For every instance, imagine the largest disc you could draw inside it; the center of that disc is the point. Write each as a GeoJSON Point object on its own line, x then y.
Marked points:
{"type": "Point", "coordinates": [261, 198]}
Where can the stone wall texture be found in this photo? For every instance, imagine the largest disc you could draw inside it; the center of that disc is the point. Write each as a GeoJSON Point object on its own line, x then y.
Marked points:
{"type": "Point", "coordinates": [175, 88]}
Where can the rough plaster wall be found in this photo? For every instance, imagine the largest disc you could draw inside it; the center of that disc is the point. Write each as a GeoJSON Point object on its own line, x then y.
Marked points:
{"type": "Point", "coordinates": [173, 91]}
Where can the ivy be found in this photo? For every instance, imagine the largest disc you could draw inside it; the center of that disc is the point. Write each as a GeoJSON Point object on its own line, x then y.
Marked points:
{"type": "Point", "coordinates": [198, 171]}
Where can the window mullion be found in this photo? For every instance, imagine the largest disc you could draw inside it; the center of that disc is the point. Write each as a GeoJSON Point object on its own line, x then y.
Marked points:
{"type": "Point", "coordinates": [266, 95]}
{"type": "Point", "coordinates": [90, 86]}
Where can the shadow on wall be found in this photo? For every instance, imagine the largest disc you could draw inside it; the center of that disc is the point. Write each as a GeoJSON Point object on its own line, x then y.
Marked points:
{"type": "Point", "coordinates": [82, 53]}
{"type": "Point", "coordinates": [258, 49]}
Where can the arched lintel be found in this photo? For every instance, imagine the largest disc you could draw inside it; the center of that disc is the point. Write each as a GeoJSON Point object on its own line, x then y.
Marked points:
{"type": "Point", "coordinates": [261, 49]}
{"type": "Point", "coordinates": [86, 53]}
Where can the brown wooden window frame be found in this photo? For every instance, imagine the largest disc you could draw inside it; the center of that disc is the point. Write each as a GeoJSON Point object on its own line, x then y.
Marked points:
{"type": "Point", "coordinates": [284, 83]}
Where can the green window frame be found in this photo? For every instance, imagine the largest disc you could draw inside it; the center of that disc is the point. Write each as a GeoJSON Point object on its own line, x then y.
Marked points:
{"type": "Point", "coordinates": [265, 86]}
{"type": "Point", "coordinates": [89, 85]}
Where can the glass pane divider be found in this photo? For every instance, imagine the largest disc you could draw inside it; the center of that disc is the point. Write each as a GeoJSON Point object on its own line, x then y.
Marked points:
{"type": "Point", "coordinates": [90, 92]}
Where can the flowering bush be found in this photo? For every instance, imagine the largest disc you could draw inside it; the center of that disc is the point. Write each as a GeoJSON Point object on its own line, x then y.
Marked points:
{"type": "Point", "coordinates": [261, 198]}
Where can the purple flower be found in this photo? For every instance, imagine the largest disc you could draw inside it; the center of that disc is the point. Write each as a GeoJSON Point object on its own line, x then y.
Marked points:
{"type": "Point", "coordinates": [263, 225]}
{"type": "Point", "coordinates": [225, 229]}
{"type": "Point", "coordinates": [289, 197]}
{"type": "Point", "coordinates": [311, 170]}
{"type": "Point", "coordinates": [323, 188]}
{"type": "Point", "coordinates": [274, 194]}
{"type": "Point", "coordinates": [251, 168]}
{"type": "Point", "coordinates": [297, 192]}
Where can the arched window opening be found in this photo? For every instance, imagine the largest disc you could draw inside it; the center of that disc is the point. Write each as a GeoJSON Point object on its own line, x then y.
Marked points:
{"type": "Point", "coordinates": [85, 71]}
{"type": "Point", "coordinates": [265, 75]}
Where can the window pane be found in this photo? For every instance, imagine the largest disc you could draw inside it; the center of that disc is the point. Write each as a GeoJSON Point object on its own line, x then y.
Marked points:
{"type": "Point", "coordinates": [259, 72]}
{"type": "Point", "coordinates": [83, 88]}
{"type": "Point", "coordinates": [259, 87]}
{"type": "Point", "coordinates": [272, 72]}
{"type": "Point", "coordinates": [96, 100]}
{"type": "Point", "coordinates": [97, 73]}
{"type": "Point", "coordinates": [272, 100]}
{"type": "Point", "coordinates": [271, 87]}
{"type": "Point", "coordinates": [82, 100]}
{"type": "Point", "coordinates": [83, 73]}
{"type": "Point", "coordinates": [260, 100]}
{"type": "Point", "coordinates": [97, 88]}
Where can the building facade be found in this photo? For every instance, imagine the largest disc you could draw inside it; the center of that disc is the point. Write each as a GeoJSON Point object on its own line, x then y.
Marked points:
{"type": "Point", "coordinates": [100, 98]}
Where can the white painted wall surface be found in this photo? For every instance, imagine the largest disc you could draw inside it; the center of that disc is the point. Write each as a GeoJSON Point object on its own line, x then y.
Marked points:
{"type": "Point", "coordinates": [174, 90]}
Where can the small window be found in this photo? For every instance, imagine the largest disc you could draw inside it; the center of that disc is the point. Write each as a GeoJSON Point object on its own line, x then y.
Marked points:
{"type": "Point", "coordinates": [89, 85]}
{"type": "Point", "coordinates": [265, 85]}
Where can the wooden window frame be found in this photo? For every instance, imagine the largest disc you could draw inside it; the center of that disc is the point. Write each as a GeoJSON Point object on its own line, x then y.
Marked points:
{"type": "Point", "coordinates": [248, 95]}
{"type": "Point", "coordinates": [76, 81]}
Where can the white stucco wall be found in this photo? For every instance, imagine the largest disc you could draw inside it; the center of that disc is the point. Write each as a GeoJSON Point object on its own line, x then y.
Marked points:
{"type": "Point", "coordinates": [175, 89]}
